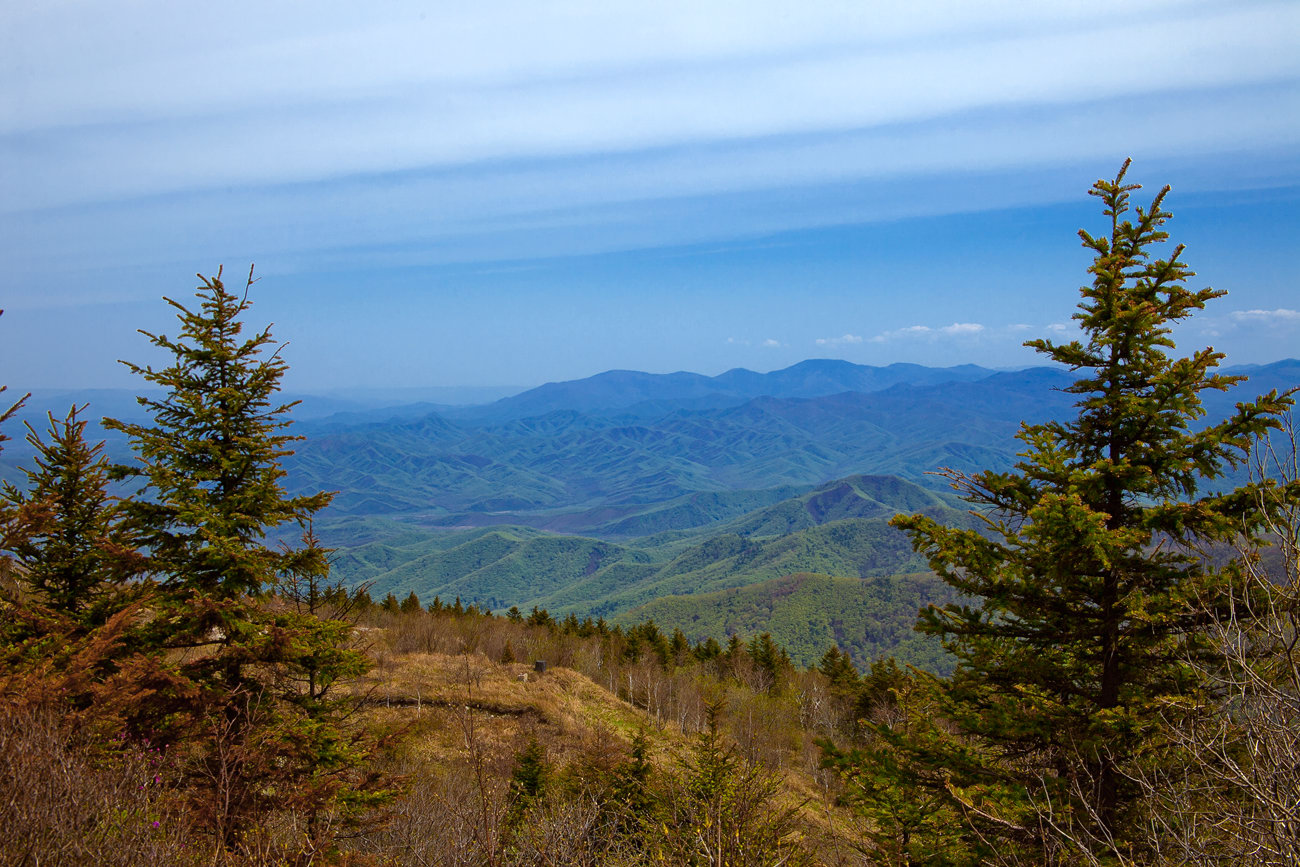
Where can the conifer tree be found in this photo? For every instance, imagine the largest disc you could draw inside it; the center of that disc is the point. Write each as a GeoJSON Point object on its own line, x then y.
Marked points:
{"type": "Point", "coordinates": [76, 548]}
{"type": "Point", "coordinates": [529, 778]}
{"type": "Point", "coordinates": [319, 618]}
{"type": "Point", "coordinates": [839, 669]}
{"type": "Point", "coordinates": [1088, 591]}
{"type": "Point", "coordinates": [210, 457]}
{"type": "Point", "coordinates": [265, 736]}
{"type": "Point", "coordinates": [769, 659]}
{"type": "Point", "coordinates": [908, 817]}
{"type": "Point", "coordinates": [721, 809]}
{"type": "Point", "coordinates": [631, 778]}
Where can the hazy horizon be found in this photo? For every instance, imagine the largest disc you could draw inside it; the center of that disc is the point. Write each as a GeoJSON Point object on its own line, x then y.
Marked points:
{"type": "Point", "coordinates": [471, 395]}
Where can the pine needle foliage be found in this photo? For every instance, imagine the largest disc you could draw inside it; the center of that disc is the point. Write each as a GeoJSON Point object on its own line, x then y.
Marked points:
{"type": "Point", "coordinates": [75, 548]}
{"type": "Point", "coordinates": [1088, 592]}
{"type": "Point", "coordinates": [10, 519]}
{"type": "Point", "coordinates": [210, 457]}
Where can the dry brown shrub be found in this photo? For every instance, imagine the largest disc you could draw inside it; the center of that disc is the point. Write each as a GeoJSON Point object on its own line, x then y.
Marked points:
{"type": "Point", "coordinates": [69, 801]}
{"type": "Point", "coordinates": [1237, 798]}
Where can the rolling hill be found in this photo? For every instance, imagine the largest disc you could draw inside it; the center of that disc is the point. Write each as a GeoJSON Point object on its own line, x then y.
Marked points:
{"type": "Point", "coordinates": [838, 529]}
{"type": "Point", "coordinates": [806, 613]}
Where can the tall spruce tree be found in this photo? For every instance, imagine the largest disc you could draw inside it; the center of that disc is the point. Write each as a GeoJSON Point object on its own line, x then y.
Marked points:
{"type": "Point", "coordinates": [210, 457]}
{"type": "Point", "coordinates": [260, 670]}
{"type": "Point", "coordinates": [1087, 589]}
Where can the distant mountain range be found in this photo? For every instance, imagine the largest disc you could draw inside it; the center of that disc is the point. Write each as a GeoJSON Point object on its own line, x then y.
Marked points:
{"type": "Point", "coordinates": [646, 394]}
{"type": "Point", "coordinates": [617, 458]}
{"type": "Point", "coordinates": [744, 501]}
{"type": "Point", "coordinates": [740, 502]}
{"type": "Point", "coordinates": [591, 455]}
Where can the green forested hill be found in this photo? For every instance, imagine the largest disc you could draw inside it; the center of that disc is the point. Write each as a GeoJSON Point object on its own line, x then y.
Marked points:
{"type": "Point", "coordinates": [805, 613]}
{"type": "Point", "coordinates": [728, 574]}
{"type": "Point", "coordinates": [853, 497]}
{"type": "Point", "coordinates": [505, 566]}
{"type": "Point", "coordinates": [864, 596]}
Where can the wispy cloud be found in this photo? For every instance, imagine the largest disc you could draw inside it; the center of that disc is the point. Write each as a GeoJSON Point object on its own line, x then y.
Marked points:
{"type": "Point", "coordinates": [768, 343]}
{"type": "Point", "coordinates": [903, 333]}
{"type": "Point", "coordinates": [956, 329]}
{"type": "Point", "coordinates": [842, 340]}
{"type": "Point", "coordinates": [398, 138]}
{"type": "Point", "coordinates": [1253, 323]}
{"type": "Point", "coordinates": [131, 107]}
{"type": "Point", "coordinates": [1281, 315]}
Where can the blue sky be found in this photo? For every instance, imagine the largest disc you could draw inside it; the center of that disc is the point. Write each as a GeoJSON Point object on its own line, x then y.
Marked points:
{"type": "Point", "coordinates": [510, 193]}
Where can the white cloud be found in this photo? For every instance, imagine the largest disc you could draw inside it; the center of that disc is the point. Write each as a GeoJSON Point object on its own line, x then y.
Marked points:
{"type": "Point", "coordinates": [93, 61]}
{"type": "Point", "coordinates": [1256, 324]}
{"type": "Point", "coordinates": [769, 343]}
{"type": "Point", "coordinates": [957, 329]}
{"type": "Point", "coordinates": [842, 340]}
{"type": "Point", "coordinates": [1282, 315]}
{"type": "Point", "coordinates": [897, 333]}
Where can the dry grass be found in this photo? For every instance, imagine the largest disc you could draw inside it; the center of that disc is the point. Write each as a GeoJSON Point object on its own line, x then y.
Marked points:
{"type": "Point", "coordinates": [430, 692]}
{"type": "Point", "coordinates": [468, 717]}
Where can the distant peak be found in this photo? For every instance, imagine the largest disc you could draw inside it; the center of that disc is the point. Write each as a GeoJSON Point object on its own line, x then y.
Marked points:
{"type": "Point", "coordinates": [825, 362]}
